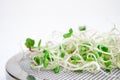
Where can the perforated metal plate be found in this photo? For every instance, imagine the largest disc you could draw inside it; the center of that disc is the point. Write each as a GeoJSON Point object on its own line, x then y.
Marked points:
{"type": "Point", "coordinates": [50, 75]}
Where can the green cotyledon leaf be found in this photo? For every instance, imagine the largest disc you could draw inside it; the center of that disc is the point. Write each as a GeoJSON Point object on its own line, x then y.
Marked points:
{"type": "Point", "coordinates": [29, 43]}
{"type": "Point", "coordinates": [45, 62]}
{"type": "Point", "coordinates": [69, 34]}
{"type": "Point", "coordinates": [108, 69]}
{"type": "Point", "coordinates": [82, 28]}
{"type": "Point", "coordinates": [56, 69]}
{"type": "Point", "coordinates": [30, 77]}
{"type": "Point", "coordinates": [103, 48]}
{"type": "Point", "coordinates": [75, 58]}
{"type": "Point", "coordinates": [39, 43]}
{"type": "Point", "coordinates": [63, 54]}
{"type": "Point", "coordinates": [38, 60]}
{"type": "Point", "coordinates": [108, 63]}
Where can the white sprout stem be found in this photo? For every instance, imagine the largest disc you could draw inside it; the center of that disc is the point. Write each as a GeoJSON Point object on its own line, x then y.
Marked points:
{"type": "Point", "coordinates": [74, 43]}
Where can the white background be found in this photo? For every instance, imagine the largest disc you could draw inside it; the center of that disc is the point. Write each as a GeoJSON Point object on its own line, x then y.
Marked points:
{"type": "Point", "coordinates": [37, 19]}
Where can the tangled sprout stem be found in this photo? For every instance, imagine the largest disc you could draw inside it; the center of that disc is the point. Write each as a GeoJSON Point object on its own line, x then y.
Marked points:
{"type": "Point", "coordinates": [78, 52]}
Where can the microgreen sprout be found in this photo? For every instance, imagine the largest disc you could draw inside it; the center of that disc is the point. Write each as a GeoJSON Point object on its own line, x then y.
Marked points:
{"type": "Point", "coordinates": [82, 28]}
{"type": "Point", "coordinates": [78, 52]}
{"type": "Point", "coordinates": [69, 34]}
{"type": "Point", "coordinates": [29, 43]}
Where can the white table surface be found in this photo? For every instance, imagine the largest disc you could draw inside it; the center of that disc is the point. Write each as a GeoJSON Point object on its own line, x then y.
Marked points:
{"type": "Point", "coordinates": [37, 19]}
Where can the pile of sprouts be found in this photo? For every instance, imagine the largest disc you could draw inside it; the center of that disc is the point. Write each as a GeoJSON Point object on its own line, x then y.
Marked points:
{"type": "Point", "coordinates": [78, 52]}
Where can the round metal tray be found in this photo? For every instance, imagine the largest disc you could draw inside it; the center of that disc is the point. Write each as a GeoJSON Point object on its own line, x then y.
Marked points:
{"type": "Point", "coordinates": [18, 68]}
{"type": "Point", "coordinates": [13, 69]}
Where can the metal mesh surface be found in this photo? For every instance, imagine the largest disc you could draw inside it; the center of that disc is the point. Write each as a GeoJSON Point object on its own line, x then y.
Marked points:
{"type": "Point", "coordinates": [50, 75]}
